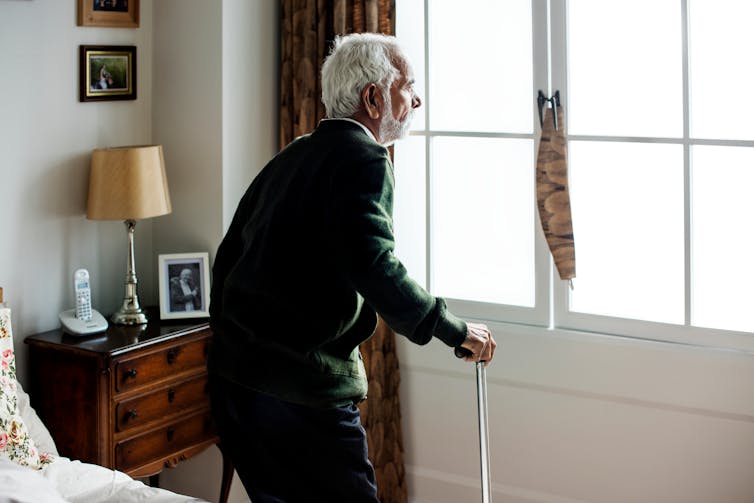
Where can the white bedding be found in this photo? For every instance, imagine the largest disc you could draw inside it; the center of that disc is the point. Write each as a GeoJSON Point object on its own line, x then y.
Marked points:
{"type": "Point", "coordinates": [75, 482]}
{"type": "Point", "coordinates": [81, 482]}
{"type": "Point", "coordinates": [67, 481]}
{"type": "Point", "coordinates": [19, 484]}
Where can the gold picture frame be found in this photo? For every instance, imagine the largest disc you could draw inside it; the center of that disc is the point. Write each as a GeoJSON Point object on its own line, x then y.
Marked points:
{"type": "Point", "coordinates": [108, 13]}
{"type": "Point", "coordinates": [107, 72]}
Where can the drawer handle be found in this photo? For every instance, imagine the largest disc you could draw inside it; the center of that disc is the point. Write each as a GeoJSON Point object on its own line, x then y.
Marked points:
{"type": "Point", "coordinates": [171, 395]}
{"type": "Point", "coordinates": [131, 415]}
{"type": "Point", "coordinates": [131, 373]}
{"type": "Point", "coordinates": [172, 355]}
{"type": "Point", "coordinates": [170, 434]}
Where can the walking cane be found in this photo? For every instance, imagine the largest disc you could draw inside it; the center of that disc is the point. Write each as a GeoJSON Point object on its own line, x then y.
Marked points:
{"type": "Point", "coordinates": [484, 449]}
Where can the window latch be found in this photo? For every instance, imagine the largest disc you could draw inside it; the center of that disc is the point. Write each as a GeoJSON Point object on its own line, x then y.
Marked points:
{"type": "Point", "coordinates": [554, 102]}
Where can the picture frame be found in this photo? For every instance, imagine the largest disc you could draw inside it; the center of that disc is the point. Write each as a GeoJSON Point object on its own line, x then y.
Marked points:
{"type": "Point", "coordinates": [108, 13]}
{"type": "Point", "coordinates": [184, 285]}
{"type": "Point", "coordinates": [107, 72]}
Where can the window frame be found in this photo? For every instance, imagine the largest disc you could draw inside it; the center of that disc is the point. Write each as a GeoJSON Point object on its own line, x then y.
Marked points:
{"type": "Point", "coordinates": [540, 313]}
{"type": "Point", "coordinates": [686, 333]}
{"type": "Point", "coordinates": [551, 309]}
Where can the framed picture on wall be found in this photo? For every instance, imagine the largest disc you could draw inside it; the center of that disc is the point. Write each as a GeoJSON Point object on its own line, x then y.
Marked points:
{"type": "Point", "coordinates": [107, 72]}
{"type": "Point", "coordinates": [108, 13]}
{"type": "Point", "coordinates": [184, 285]}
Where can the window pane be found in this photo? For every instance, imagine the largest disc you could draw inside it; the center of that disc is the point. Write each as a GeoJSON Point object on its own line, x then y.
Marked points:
{"type": "Point", "coordinates": [481, 50]}
{"type": "Point", "coordinates": [483, 220]}
{"type": "Point", "coordinates": [722, 241]}
{"type": "Point", "coordinates": [410, 207]}
{"type": "Point", "coordinates": [409, 29]}
{"type": "Point", "coordinates": [625, 63]}
{"type": "Point", "coordinates": [720, 68]}
{"type": "Point", "coordinates": [627, 205]}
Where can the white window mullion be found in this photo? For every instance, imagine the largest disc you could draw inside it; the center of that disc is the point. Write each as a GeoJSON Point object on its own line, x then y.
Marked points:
{"type": "Point", "coordinates": [427, 153]}
{"type": "Point", "coordinates": [686, 162]}
{"type": "Point", "coordinates": [542, 46]}
{"type": "Point", "coordinates": [559, 79]}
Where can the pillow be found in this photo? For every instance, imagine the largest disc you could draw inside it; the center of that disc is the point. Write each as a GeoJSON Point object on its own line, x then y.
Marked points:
{"type": "Point", "coordinates": [15, 441]}
{"type": "Point", "coordinates": [37, 430]}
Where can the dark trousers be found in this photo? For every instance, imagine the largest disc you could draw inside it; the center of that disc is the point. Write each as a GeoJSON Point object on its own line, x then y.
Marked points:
{"type": "Point", "coordinates": [290, 453]}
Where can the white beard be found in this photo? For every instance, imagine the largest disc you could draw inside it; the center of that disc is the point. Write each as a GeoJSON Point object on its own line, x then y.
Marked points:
{"type": "Point", "coordinates": [391, 129]}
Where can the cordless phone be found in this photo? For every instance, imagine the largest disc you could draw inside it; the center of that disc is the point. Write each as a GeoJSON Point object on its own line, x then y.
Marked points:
{"type": "Point", "coordinates": [82, 320]}
{"type": "Point", "coordinates": [83, 295]}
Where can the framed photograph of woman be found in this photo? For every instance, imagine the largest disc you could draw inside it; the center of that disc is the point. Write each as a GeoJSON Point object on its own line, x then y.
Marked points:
{"type": "Point", "coordinates": [107, 72]}
{"type": "Point", "coordinates": [108, 13]}
{"type": "Point", "coordinates": [184, 285]}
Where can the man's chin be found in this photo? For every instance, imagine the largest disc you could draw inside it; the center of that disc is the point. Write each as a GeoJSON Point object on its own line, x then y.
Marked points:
{"type": "Point", "coordinates": [391, 139]}
{"type": "Point", "coordinates": [394, 131]}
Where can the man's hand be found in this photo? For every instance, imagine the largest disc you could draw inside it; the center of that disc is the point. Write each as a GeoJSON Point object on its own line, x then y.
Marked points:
{"type": "Point", "coordinates": [479, 344]}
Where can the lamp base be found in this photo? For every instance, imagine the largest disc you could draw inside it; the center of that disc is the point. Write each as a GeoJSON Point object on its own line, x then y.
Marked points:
{"type": "Point", "coordinates": [130, 312]}
{"type": "Point", "coordinates": [129, 317]}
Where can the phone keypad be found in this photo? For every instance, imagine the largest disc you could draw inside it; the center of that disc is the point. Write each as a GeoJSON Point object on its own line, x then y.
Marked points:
{"type": "Point", "coordinates": [83, 305]}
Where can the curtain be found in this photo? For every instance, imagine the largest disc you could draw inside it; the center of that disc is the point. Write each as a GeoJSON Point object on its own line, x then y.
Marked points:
{"type": "Point", "coordinates": [553, 197]}
{"type": "Point", "coordinates": [306, 32]}
{"type": "Point", "coordinates": [307, 29]}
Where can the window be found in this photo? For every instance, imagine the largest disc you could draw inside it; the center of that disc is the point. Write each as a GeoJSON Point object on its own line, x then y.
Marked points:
{"type": "Point", "coordinates": [477, 184]}
{"type": "Point", "coordinates": [661, 159]}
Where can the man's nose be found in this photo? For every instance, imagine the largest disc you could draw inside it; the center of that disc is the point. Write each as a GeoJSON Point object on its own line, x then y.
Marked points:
{"type": "Point", "coordinates": [416, 102]}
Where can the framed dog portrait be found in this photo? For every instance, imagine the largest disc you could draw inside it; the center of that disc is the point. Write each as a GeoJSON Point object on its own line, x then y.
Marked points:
{"type": "Point", "coordinates": [108, 13]}
{"type": "Point", "coordinates": [184, 285]}
{"type": "Point", "coordinates": [107, 72]}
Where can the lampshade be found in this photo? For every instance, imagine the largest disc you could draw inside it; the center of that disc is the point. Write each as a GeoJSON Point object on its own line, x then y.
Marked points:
{"type": "Point", "coordinates": [128, 183]}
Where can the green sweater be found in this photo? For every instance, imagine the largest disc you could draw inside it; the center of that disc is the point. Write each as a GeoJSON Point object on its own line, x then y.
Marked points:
{"type": "Point", "coordinates": [305, 265]}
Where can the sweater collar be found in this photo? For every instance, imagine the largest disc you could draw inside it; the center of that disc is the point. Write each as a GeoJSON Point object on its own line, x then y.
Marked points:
{"type": "Point", "coordinates": [362, 126]}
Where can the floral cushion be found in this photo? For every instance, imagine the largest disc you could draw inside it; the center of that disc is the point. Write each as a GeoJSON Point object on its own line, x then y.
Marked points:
{"type": "Point", "coordinates": [15, 441]}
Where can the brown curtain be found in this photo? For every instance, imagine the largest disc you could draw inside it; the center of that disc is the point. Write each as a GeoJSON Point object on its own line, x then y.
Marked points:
{"type": "Point", "coordinates": [307, 29]}
{"type": "Point", "coordinates": [553, 198]}
{"type": "Point", "coordinates": [306, 32]}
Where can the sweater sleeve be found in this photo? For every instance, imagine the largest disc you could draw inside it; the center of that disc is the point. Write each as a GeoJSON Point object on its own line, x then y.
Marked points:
{"type": "Point", "coordinates": [365, 246]}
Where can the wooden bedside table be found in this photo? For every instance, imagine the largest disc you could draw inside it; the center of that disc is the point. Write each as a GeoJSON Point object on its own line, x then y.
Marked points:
{"type": "Point", "coordinates": [133, 398]}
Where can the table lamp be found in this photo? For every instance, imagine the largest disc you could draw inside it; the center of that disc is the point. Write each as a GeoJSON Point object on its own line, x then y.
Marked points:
{"type": "Point", "coordinates": [129, 184]}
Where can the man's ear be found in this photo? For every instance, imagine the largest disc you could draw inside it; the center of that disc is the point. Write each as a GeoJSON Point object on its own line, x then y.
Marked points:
{"type": "Point", "coordinates": [371, 98]}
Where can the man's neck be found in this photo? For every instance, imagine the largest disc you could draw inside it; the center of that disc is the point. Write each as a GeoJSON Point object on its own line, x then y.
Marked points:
{"type": "Point", "coordinates": [372, 125]}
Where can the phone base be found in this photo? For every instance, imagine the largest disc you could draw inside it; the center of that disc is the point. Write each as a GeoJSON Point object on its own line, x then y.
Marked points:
{"type": "Point", "coordinates": [75, 326]}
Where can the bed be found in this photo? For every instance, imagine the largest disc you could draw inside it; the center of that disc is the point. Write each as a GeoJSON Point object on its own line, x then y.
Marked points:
{"type": "Point", "coordinates": [32, 471]}
{"type": "Point", "coordinates": [66, 480]}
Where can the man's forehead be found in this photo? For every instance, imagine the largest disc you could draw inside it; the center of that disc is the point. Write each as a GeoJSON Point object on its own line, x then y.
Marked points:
{"type": "Point", "coordinates": [404, 66]}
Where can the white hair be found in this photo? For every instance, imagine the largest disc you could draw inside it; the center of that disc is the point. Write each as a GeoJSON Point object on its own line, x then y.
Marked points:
{"type": "Point", "coordinates": [355, 61]}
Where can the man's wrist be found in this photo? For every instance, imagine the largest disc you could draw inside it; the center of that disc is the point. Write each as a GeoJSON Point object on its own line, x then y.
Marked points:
{"type": "Point", "coordinates": [450, 329]}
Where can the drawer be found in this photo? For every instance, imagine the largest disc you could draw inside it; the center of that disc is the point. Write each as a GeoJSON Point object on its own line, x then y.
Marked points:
{"type": "Point", "coordinates": [143, 370]}
{"type": "Point", "coordinates": [162, 403]}
{"type": "Point", "coordinates": [163, 442]}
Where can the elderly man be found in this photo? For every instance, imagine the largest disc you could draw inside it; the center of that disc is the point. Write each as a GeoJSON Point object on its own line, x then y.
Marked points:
{"type": "Point", "coordinates": [303, 271]}
{"type": "Point", "coordinates": [184, 294]}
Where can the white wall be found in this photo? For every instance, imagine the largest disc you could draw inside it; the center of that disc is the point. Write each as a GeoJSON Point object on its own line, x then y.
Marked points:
{"type": "Point", "coordinates": [187, 118]}
{"type": "Point", "coordinates": [46, 138]}
{"type": "Point", "coordinates": [250, 94]}
{"type": "Point", "coordinates": [578, 417]}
